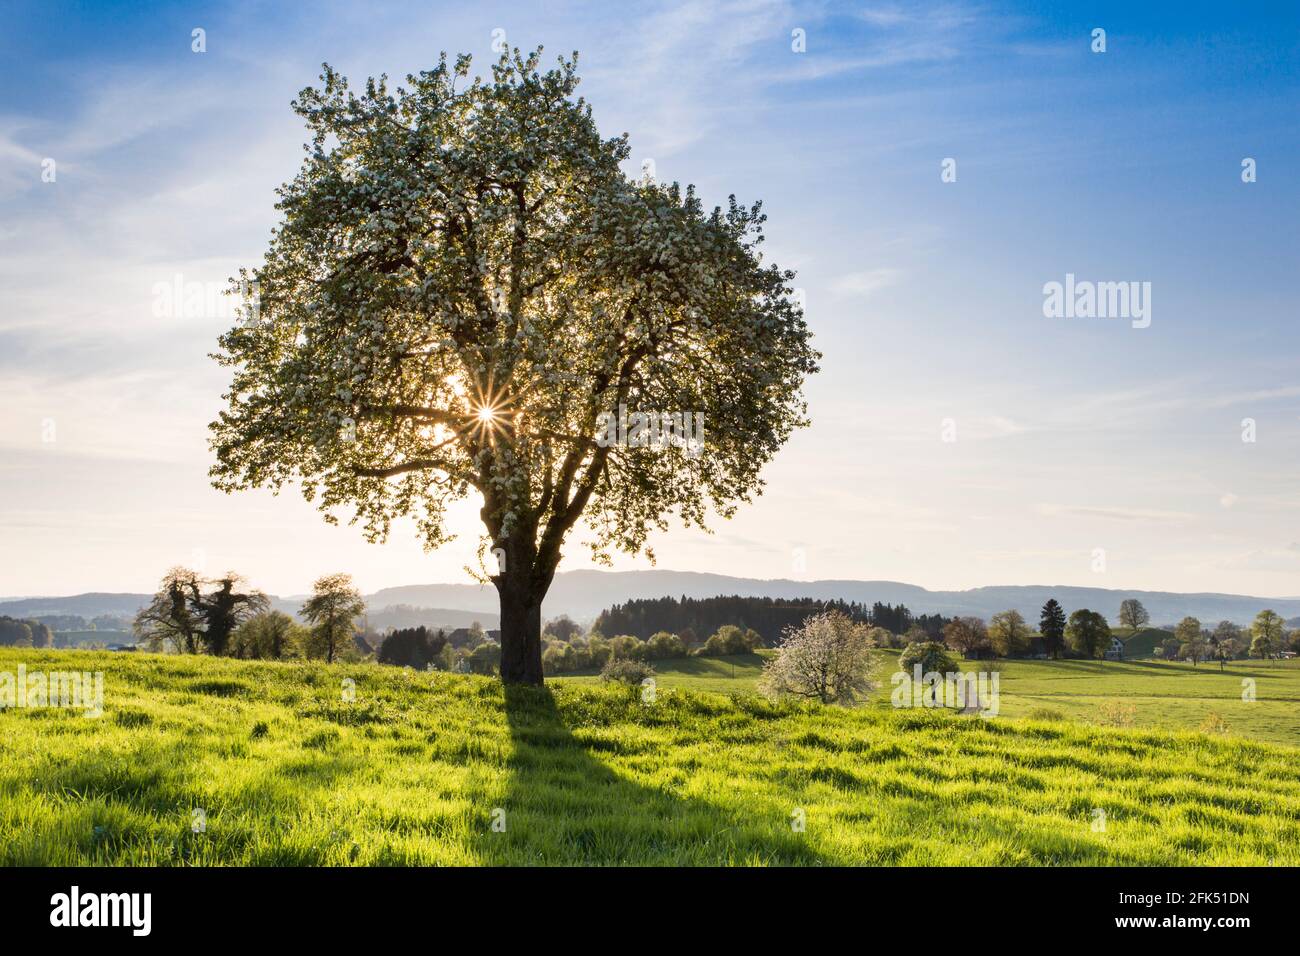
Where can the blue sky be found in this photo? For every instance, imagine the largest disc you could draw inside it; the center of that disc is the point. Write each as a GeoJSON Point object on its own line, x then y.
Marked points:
{"type": "Point", "coordinates": [1072, 435]}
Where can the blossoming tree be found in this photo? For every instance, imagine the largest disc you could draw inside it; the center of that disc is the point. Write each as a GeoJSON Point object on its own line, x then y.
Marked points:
{"type": "Point", "coordinates": [464, 287]}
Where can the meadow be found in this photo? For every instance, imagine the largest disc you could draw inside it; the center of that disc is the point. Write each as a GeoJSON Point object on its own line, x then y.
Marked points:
{"type": "Point", "coordinates": [1165, 695]}
{"type": "Point", "coordinates": [733, 674]}
{"type": "Point", "coordinates": [433, 768]}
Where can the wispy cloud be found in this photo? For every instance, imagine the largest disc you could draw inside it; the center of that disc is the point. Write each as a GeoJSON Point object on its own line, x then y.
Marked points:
{"type": "Point", "coordinates": [867, 282]}
{"type": "Point", "coordinates": [1116, 513]}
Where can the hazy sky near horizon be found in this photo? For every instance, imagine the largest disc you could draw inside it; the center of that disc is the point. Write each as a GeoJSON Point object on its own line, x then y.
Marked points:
{"type": "Point", "coordinates": [926, 297]}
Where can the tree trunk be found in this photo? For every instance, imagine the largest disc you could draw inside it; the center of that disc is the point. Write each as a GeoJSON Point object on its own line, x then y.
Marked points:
{"type": "Point", "coordinates": [521, 629]}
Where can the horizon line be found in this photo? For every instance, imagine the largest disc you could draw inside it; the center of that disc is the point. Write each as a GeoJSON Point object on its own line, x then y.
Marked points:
{"type": "Point", "coordinates": [5, 599]}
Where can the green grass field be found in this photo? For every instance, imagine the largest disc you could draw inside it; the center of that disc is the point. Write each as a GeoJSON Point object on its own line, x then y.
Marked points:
{"type": "Point", "coordinates": [420, 766]}
{"type": "Point", "coordinates": [737, 674]}
{"type": "Point", "coordinates": [1162, 695]}
{"type": "Point", "coordinates": [1165, 695]}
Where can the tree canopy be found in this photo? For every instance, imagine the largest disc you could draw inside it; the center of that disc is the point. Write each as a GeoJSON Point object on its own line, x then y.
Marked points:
{"type": "Point", "coordinates": [1267, 632]}
{"type": "Point", "coordinates": [1088, 633]}
{"type": "Point", "coordinates": [332, 610]}
{"type": "Point", "coordinates": [463, 289]}
{"type": "Point", "coordinates": [1008, 633]}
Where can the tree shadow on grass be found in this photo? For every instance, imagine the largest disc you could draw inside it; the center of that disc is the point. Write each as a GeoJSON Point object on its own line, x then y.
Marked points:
{"type": "Point", "coordinates": [564, 805]}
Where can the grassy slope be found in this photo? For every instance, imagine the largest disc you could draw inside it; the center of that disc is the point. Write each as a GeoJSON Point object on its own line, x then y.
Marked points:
{"type": "Point", "coordinates": [736, 674]}
{"type": "Point", "coordinates": [1143, 642]}
{"type": "Point", "coordinates": [1163, 695]}
{"type": "Point", "coordinates": [413, 769]}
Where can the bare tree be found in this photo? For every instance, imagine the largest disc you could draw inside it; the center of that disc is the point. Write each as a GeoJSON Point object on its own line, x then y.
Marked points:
{"type": "Point", "coordinates": [170, 618]}
{"type": "Point", "coordinates": [1132, 614]}
{"type": "Point", "coordinates": [967, 635]}
{"type": "Point", "coordinates": [225, 608]}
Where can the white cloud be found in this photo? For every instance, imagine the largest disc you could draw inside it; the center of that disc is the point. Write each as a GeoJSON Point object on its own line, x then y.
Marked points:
{"type": "Point", "coordinates": [867, 282]}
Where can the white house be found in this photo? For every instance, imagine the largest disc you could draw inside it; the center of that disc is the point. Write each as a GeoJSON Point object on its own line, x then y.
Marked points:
{"type": "Point", "coordinates": [1116, 650]}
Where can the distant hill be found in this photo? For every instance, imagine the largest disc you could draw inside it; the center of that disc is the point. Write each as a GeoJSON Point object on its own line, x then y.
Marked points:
{"type": "Point", "coordinates": [384, 613]}
{"type": "Point", "coordinates": [85, 605]}
{"type": "Point", "coordinates": [434, 618]}
{"type": "Point", "coordinates": [584, 594]}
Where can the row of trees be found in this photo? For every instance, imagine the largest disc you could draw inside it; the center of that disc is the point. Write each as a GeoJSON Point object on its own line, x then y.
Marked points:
{"type": "Point", "coordinates": [1266, 638]}
{"type": "Point", "coordinates": [75, 622]}
{"type": "Point", "coordinates": [425, 649]}
{"type": "Point", "coordinates": [24, 633]}
{"type": "Point", "coordinates": [222, 616]}
{"type": "Point", "coordinates": [1007, 634]}
{"type": "Point", "coordinates": [899, 620]}
{"type": "Point", "coordinates": [1086, 633]}
{"type": "Point", "coordinates": [595, 650]}
{"type": "Point", "coordinates": [828, 658]}
{"type": "Point", "coordinates": [769, 617]}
